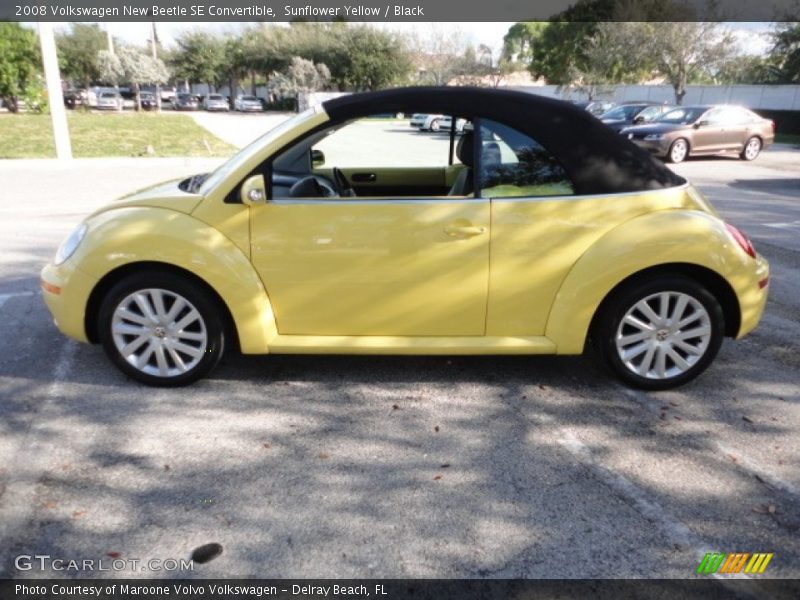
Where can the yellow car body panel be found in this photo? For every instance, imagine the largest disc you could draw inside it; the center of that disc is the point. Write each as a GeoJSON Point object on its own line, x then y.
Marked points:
{"type": "Point", "coordinates": [365, 268]}
{"type": "Point", "coordinates": [537, 241]}
{"type": "Point", "coordinates": [68, 305]}
{"type": "Point", "coordinates": [134, 235]}
{"type": "Point", "coordinates": [657, 238]}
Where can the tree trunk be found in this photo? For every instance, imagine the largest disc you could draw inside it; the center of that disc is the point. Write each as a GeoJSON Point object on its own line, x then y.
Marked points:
{"type": "Point", "coordinates": [680, 92]}
{"type": "Point", "coordinates": [11, 103]}
{"type": "Point", "coordinates": [253, 82]}
{"type": "Point", "coordinates": [138, 97]}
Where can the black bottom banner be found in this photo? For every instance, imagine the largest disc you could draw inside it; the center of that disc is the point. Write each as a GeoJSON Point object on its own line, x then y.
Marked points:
{"type": "Point", "coordinates": [394, 589]}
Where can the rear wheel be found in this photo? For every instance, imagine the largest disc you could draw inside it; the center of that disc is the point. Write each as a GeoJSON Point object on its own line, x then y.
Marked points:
{"type": "Point", "coordinates": [751, 149]}
{"type": "Point", "coordinates": [435, 125]}
{"type": "Point", "coordinates": [678, 151]}
{"type": "Point", "coordinates": [161, 329]}
{"type": "Point", "coordinates": [659, 333]}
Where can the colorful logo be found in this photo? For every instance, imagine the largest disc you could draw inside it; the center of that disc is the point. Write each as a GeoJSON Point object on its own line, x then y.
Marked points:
{"type": "Point", "coordinates": [735, 562]}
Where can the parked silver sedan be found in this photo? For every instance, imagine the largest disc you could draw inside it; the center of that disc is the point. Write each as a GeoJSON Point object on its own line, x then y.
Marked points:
{"type": "Point", "coordinates": [247, 104]}
{"type": "Point", "coordinates": [214, 102]}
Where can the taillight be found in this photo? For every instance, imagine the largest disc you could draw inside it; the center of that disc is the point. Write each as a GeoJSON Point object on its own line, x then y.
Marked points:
{"type": "Point", "coordinates": [741, 239]}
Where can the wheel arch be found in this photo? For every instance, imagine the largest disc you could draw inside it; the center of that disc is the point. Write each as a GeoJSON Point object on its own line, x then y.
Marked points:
{"type": "Point", "coordinates": [711, 280]}
{"type": "Point", "coordinates": [130, 239]}
{"type": "Point", "coordinates": [688, 242]}
{"type": "Point", "coordinates": [116, 275]}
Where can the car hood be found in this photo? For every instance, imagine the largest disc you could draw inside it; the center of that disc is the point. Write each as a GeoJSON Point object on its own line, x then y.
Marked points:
{"type": "Point", "coordinates": [162, 195]}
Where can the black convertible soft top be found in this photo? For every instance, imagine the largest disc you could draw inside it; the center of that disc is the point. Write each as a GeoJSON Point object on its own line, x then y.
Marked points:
{"type": "Point", "coordinates": [598, 160]}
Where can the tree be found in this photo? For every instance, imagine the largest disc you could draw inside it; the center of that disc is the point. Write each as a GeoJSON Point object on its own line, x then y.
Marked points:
{"type": "Point", "coordinates": [198, 57]}
{"type": "Point", "coordinates": [438, 55]}
{"type": "Point", "coordinates": [680, 52]}
{"type": "Point", "coordinates": [78, 53]}
{"type": "Point", "coordinates": [521, 39]}
{"type": "Point", "coordinates": [19, 64]}
{"type": "Point", "coordinates": [786, 51]}
{"type": "Point", "coordinates": [376, 58]}
{"type": "Point", "coordinates": [607, 59]}
{"type": "Point", "coordinates": [131, 65]}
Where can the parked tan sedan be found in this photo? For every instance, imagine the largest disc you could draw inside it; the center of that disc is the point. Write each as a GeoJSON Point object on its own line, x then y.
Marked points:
{"type": "Point", "coordinates": [701, 130]}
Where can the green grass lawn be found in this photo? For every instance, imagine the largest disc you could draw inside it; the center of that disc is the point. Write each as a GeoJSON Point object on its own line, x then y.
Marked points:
{"type": "Point", "coordinates": [112, 134]}
{"type": "Point", "coordinates": [787, 138]}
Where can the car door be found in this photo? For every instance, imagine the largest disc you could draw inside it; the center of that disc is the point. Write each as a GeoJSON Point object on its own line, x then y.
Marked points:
{"type": "Point", "coordinates": [709, 132]}
{"type": "Point", "coordinates": [379, 265]}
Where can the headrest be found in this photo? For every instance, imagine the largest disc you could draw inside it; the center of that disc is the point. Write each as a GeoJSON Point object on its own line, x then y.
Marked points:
{"type": "Point", "coordinates": [464, 149]}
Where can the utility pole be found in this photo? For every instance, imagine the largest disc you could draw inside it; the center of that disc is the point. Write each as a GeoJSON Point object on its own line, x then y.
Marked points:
{"type": "Point", "coordinates": [55, 94]}
{"type": "Point", "coordinates": [154, 49]}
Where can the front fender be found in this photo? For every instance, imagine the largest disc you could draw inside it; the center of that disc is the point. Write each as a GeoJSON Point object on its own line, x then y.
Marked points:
{"type": "Point", "coordinates": [144, 234]}
{"type": "Point", "coordinates": [653, 239]}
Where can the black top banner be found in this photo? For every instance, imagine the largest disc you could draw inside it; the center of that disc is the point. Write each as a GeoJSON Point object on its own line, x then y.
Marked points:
{"type": "Point", "coordinates": [393, 11]}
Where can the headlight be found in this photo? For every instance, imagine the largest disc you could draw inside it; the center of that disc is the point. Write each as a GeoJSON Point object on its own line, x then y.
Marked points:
{"type": "Point", "coordinates": [654, 137]}
{"type": "Point", "coordinates": [69, 245]}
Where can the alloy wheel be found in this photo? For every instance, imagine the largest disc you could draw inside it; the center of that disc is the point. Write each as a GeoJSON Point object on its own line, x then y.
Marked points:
{"type": "Point", "coordinates": [752, 149]}
{"type": "Point", "coordinates": [663, 335]}
{"type": "Point", "coordinates": [159, 332]}
{"type": "Point", "coordinates": [679, 151]}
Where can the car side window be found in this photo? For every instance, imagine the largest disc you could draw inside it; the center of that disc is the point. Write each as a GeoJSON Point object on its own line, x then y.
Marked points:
{"type": "Point", "coordinates": [389, 141]}
{"type": "Point", "coordinates": [715, 117]}
{"type": "Point", "coordinates": [515, 165]}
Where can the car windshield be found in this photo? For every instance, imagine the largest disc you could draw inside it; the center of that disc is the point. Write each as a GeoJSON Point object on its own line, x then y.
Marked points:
{"type": "Point", "coordinates": [623, 113]}
{"type": "Point", "coordinates": [253, 148]}
{"type": "Point", "coordinates": [250, 98]}
{"type": "Point", "coordinates": [108, 95]}
{"type": "Point", "coordinates": [215, 97]}
{"type": "Point", "coordinates": [682, 116]}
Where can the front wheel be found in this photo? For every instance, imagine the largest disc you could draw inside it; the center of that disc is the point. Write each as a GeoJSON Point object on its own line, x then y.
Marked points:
{"type": "Point", "coordinates": [435, 126]}
{"type": "Point", "coordinates": [160, 329]}
{"type": "Point", "coordinates": [659, 333]}
{"type": "Point", "coordinates": [751, 149]}
{"type": "Point", "coordinates": [678, 151]}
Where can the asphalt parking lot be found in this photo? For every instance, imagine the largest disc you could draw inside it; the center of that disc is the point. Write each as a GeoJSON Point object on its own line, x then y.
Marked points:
{"type": "Point", "coordinates": [394, 466]}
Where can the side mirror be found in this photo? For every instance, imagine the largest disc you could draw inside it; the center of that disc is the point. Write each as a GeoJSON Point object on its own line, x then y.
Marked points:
{"type": "Point", "coordinates": [317, 158]}
{"type": "Point", "coordinates": [253, 191]}
{"type": "Point", "coordinates": [639, 120]}
{"type": "Point", "coordinates": [701, 124]}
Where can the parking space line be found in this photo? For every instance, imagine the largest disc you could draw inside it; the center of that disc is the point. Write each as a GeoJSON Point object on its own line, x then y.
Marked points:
{"type": "Point", "coordinates": [750, 467]}
{"type": "Point", "coordinates": [744, 463]}
{"type": "Point", "coordinates": [673, 529]}
{"type": "Point", "coordinates": [6, 297]}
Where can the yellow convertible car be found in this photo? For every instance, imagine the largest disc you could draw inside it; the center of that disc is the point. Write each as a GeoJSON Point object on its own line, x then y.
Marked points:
{"type": "Point", "coordinates": [533, 230]}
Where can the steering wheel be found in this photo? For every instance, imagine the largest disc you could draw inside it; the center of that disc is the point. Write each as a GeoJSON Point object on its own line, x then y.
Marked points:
{"type": "Point", "coordinates": [343, 187]}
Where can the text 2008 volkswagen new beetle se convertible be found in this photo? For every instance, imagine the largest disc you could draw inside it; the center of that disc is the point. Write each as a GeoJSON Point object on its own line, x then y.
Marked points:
{"type": "Point", "coordinates": [533, 231]}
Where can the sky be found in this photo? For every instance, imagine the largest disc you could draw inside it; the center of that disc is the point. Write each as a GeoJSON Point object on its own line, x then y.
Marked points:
{"type": "Point", "coordinates": [753, 38]}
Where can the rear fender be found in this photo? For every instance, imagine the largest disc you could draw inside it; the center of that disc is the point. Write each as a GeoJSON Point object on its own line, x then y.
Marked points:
{"type": "Point", "coordinates": [653, 239]}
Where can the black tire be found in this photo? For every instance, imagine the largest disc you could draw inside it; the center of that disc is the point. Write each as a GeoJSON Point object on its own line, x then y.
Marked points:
{"type": "Point", "coordinates": [673, 155]}
{"type": "Point", "coordinates": [174, 286]}
{"type": "Point", "coordinates": [752, 153]}
{"type": "Point", "coordinates": [435, 126]}
{"type": "Point", "coordinates": [608, 322]}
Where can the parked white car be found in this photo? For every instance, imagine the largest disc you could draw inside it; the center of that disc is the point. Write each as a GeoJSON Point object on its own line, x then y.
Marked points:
{"type": "Point", "coordinates": [247, 104]}
{"type": "Point", "coordinates": [435, 122]}
{"type": "Point", "coordinates": [109, 101]}
{"type": "Point", "coordinates": [214, 102]}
